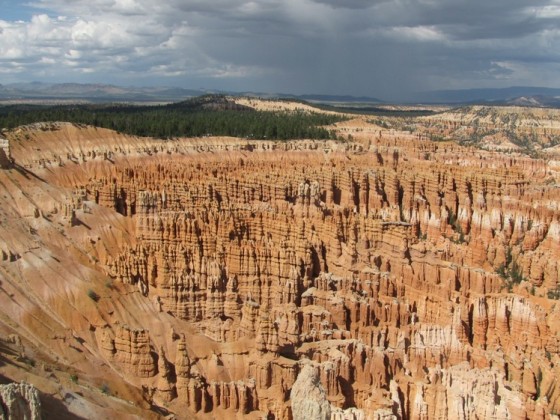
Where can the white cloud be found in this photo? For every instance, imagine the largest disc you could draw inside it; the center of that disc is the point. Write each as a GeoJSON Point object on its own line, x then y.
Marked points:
{"type": "Point", "coordinates": [417, 33]}
{"type": "Point", "coordinates": [546, 12]}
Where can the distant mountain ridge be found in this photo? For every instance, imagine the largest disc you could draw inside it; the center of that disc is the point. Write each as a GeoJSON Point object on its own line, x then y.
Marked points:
{"type": "Point", "coordinates": [102, 92]}
{"type": "Point", "coordinates": [96, 92]}
{"type": "Point", "coordinates": [516, 95]}
{"type": "Point", "coordinates": [93, 92]}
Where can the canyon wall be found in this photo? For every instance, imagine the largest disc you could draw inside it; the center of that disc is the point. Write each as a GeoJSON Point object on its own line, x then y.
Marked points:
{"type": "Point", "coordinates": [401, 278]}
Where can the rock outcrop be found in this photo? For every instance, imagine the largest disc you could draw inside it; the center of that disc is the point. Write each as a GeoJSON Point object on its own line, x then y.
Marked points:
{"type": "Point", "coordinates": [308, 398]}
{"type": "Point", "coordinates": [20, 401]}
{"type": "Point", "coordinates": [5, 155]}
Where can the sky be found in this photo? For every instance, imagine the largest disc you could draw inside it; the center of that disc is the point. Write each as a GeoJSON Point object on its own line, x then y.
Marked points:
{"type": "Point", "coordinates": [387, 49]}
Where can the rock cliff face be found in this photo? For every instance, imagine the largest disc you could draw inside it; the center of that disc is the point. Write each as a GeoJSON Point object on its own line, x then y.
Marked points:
{"type": "Point", "coordinates": [392, 277]}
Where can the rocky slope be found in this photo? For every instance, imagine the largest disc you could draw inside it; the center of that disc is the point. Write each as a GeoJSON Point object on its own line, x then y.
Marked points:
{"type": "Point", "coordinates": [392, 276]}
{"type": "Point", "coordinates": [534, 131]}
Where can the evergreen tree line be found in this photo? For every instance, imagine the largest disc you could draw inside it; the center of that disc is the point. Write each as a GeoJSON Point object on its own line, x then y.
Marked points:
{"type": "Point", "coordinates": [194, 118]}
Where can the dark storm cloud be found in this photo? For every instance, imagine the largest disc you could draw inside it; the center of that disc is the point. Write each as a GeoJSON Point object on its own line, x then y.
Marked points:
{"type": "Point", "coordinates": [466, 20]}
{"type": "Point", "coordinates": [377, 47]}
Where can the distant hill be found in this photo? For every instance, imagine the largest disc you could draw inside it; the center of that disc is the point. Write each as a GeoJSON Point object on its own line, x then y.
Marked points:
{"type": "Point", "coordinates": [340, 98]}
{"type": "Point", "coordinates": [109, 93]}
{"type": "Point", "coordinates": [531, 130]}
{"type": "Point", "coordinates": [98, 93]}
{"type": "Point", "coordinates": [324, 99]}
{"type": "Point", "coordinates": [517, 95]}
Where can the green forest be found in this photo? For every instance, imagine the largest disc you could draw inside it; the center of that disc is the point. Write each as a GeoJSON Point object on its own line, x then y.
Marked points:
{"type": "Point", "coordinates": [197, 117]}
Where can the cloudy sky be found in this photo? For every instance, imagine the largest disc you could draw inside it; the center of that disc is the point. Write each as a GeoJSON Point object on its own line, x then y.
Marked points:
{"type": "Point", "coordinates": [381, 48]}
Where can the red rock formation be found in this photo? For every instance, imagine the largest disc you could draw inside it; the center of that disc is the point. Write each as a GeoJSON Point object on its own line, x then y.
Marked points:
{"type": "Point", "coordinates": [131, 350]}
{"type": "Point", "coordinates": [413, 275]}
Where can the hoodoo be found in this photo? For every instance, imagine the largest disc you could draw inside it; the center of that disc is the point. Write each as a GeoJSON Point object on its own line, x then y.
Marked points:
{"type": "Point", "coordinates": [5, 155]}
{"type": "Point", "coordinates": [385, 276]}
